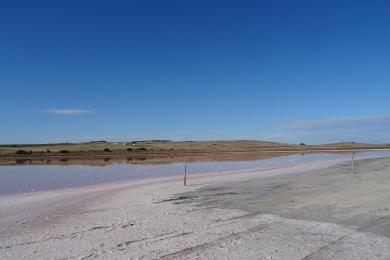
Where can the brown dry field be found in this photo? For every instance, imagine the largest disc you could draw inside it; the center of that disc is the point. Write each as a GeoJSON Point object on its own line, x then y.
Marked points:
{"type": "Point", "coordinates": [158, 151]}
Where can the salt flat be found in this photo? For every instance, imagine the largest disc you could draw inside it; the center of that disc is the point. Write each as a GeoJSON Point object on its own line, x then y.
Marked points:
{"type": "Point", "coordinates": [309, 210]}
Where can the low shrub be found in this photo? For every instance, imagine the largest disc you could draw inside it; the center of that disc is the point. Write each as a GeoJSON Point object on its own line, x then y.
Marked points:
{"type": "Point", "coordinates": [63, 151]}
{"type": "Point", "coordinates": [22, 152]}
{"type": "Point", "coordinates": [106, 150]}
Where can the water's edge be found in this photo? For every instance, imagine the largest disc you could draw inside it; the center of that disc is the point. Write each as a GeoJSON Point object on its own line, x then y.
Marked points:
{"type": "Point", "coordinates": [33, 178]}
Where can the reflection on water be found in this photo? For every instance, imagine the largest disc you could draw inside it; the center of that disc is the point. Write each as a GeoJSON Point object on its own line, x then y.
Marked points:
{"type": "Point", "coordinates": [28, 178]}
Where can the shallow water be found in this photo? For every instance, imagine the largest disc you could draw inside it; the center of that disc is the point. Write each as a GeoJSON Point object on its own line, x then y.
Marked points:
{"type": "Point", "coordinates": [30, 178]}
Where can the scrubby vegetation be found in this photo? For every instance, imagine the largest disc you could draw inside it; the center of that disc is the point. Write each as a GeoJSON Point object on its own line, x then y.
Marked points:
{"type": "Point", "coordinates": [22, 152]}
{"type": "Point", "coordinates": [198, 147]}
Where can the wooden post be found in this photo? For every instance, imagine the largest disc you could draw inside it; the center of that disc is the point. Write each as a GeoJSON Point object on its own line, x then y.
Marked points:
{"type": "Point", "coordinates": [185, 174]}
{"type": "Point", "coordinates": [353, 163]}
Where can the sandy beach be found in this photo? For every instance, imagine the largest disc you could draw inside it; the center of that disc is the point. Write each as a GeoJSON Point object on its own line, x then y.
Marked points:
{"type": "Point", "coordinates": [309, 210]}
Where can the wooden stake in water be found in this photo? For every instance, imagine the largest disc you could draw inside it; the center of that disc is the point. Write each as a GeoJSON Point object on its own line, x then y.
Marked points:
{"type": "Point", "coordinates": [185, 174]}
{"type": "Point", "coordinates": [353, 163]}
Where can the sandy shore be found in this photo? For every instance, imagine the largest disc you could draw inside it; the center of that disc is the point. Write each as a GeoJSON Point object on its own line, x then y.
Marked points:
{"type": "Point", "coordinates": [311, 210]}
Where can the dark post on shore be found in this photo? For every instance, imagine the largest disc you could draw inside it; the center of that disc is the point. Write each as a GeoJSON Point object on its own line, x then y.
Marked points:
{"type": "Point", "coordinates": [353, 163]}
{"type": "Point", "coordinates": [185, 174]}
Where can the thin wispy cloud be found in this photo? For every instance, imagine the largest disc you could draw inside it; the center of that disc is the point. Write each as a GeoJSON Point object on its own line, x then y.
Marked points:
{"type": "Point", "coordinates": [68, 112]}
{"type": "Point", "coordinates": [371, 129]}
{"type": "Point", "coordinates": [374, 121]}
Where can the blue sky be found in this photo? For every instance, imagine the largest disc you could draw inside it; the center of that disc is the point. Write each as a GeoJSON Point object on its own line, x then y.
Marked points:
{"type": "Point", "coordinates": [294, 71]}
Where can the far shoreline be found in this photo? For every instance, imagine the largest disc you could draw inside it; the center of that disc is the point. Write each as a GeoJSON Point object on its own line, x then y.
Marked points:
{"type": "Point", "coordinates": [102, 159]}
